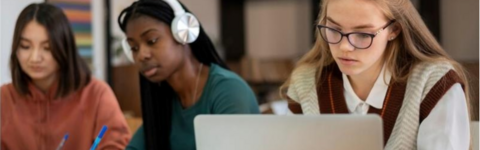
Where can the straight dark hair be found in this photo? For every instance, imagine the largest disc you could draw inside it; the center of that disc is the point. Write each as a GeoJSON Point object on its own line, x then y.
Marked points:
{"type": "Point", "coordinates": [157, 98]}
{"type": "Point", "coordinates": [73, 71]}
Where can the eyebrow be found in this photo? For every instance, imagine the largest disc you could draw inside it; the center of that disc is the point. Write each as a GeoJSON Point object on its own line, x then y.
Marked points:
{"type": "Point", "coordinates": [364, 26]}
{"type": "Point", "coordinates": [25, 39]}
{"type": "Point", "coordinates": [332, 21]}
{"type": "Point", "coordinates": [143, 34]}
{"type": "Point", "coordinates": [148, 31]}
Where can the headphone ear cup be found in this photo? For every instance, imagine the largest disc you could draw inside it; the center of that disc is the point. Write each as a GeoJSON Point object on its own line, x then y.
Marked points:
{"type": "Point", "coordinates": [185, 28]}
{"type": "Point", "coordinates": [127, 50]}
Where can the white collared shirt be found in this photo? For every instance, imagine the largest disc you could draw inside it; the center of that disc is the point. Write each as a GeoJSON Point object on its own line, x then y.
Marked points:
{"type": "Point", "coordinates": [447, 127]}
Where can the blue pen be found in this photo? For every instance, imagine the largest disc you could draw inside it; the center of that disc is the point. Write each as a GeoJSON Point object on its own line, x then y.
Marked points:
{"type": "Point", "coordinates": [99, 138]}
{"type": "Point", "coordinates": [65, 137]}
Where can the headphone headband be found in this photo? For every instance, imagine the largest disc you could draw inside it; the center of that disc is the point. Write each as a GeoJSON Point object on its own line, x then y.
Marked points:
{"type": "Point", "coordinates": [177, 8]}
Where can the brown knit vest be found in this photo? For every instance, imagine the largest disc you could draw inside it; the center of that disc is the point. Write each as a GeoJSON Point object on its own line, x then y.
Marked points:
{"type": "Point", "coordinates": [332, 101]}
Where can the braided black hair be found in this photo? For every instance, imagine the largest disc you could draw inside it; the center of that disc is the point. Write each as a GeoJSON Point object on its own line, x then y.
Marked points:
{"type": "Point", "coordinates": [157, 98]}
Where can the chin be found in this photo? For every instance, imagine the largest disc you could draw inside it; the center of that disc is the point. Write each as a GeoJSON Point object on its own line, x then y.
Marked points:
{"type": "Point", "coordinates": [36, 76]}
{"type": "Point", "coordinates": [350, 70]}
{"type": "Point", "coordinates": [155, 78]}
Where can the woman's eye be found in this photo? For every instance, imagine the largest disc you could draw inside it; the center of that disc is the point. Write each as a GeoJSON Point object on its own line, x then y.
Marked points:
{"type": "Point", "coordinates": [152, 41]}
{"type": "Point", "coordinates": [24, 46]}
{"type": "Point", "coordinates": [364, 36]}
{"type": "Point", "coordinates": [134, 49]}
{"type": "Point", "coordinates": [47, 48]}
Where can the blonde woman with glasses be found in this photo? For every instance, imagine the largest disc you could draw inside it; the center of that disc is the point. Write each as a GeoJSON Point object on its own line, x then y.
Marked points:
{"type": "Point", "coordinates": [378, 57]}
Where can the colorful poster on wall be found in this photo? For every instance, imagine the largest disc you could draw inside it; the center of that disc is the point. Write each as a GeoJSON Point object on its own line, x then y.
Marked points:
{"type": "Point", "coordinates": [79, 13]}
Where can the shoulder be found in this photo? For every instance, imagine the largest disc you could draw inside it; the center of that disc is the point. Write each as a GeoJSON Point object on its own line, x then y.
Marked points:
{"type": "Point", "coordinates": [96, 87]}
{"type": "Point", "coordinates": [8, 98]}
{"type": "Point", "coordinates": [303, 76]}
{"type": "Point", "coordinates": [439, 82]}
{"type": "Point", "coordinates": [306, 71]}
{"type": "Point", "coordinates": [302, 81]}
{"type": "Point", "coordinates": [99, 100]}
{"type": "Point", "coordinates": [97, 91]}
{"type": "Point", "coordinates": [229, 93]}
{"type": "Point", "coordinates": [221, 78]}
{"type": "Point", "coordinates": [432, 68]}
{"type": "Point", "coordinates": [433, 78]}
{"type": "Point", "coordinates": [138, 140]}
{"type": "Point", "coordinates": [8, 90]}
{"type": "Point", "coordinates": [433, 72]}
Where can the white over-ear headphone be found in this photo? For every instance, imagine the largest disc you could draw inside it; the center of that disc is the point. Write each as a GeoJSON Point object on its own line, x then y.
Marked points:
{"type": "Point", "coordinates": [185, 27]}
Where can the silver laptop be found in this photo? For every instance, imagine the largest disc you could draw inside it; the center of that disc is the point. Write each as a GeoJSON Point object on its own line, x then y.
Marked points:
{"type": "Point", "coordinates": [296, 132]}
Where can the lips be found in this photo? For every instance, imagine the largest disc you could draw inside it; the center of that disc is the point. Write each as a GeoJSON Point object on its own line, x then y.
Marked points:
{"type": "Point", "coordinates": [347, 61]}
{"type": "Point", "coordinates": [150, 71]}
{"type": "Point", "coordinates": [36, 68]}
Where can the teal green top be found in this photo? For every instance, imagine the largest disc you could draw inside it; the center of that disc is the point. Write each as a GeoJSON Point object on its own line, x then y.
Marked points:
{"type": "Point", "coordinates": [224, 93]}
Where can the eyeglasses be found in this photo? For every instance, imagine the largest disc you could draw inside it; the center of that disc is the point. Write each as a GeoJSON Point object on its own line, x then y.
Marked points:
{"type": "Point", "coordinates": [359, 40]}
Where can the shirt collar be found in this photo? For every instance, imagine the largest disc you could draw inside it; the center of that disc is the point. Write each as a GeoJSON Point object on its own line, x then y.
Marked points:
{"type": "Point", "coordinates": [37, 95]}
{"type": "Point", "coordinates": [375, 97]}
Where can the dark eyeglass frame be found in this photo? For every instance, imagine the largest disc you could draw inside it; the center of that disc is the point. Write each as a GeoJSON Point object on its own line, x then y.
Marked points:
{"type": "Point", "coordinates": [320, 27]}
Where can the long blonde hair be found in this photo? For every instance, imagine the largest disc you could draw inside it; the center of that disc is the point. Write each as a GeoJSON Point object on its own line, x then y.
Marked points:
{"type": "Point", "coordinates": [413, 45]}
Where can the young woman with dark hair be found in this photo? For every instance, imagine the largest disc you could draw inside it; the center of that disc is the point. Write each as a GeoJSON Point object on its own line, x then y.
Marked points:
{"type": "Point", "coordinates": [181, 76]}
{"type": "Point", "coordinates": [52, 93]}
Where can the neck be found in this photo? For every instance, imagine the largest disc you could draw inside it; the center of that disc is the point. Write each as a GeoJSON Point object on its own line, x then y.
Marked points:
{"type": "Point", "coordinates": [363, 83]}
{"type": "Point", "coordinates": [188, 81]}
{"type": "Point", "coordinates": [45, 84]}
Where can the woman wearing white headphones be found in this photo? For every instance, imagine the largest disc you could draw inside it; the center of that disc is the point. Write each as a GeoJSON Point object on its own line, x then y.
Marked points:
{"type": "Point", "coordinates": [181, 74]}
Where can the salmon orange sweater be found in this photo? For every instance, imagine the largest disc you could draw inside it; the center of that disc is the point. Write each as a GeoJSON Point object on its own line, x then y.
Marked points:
{"type": "Point", "coordinates": [39, 121]}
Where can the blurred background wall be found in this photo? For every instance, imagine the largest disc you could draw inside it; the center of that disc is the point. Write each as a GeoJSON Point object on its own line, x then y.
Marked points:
{"type": "Point", "coordinates": [9, 10]}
